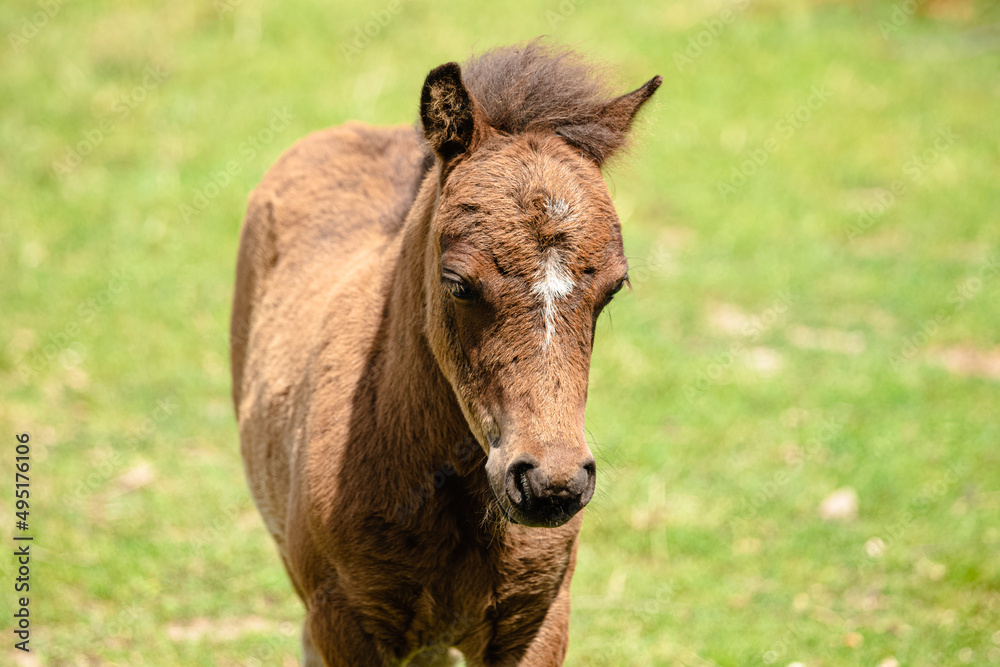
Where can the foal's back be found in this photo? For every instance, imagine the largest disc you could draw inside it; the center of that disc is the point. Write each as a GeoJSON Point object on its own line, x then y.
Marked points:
{"type": "Point", "coordinates": [335, 197]}
{"type": "Point", "coordinates": [340, 191]}
{"type": "Point", "coordinates": [317, 243]}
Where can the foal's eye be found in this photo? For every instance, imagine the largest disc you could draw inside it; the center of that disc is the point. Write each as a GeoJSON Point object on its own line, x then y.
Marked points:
{"type": "Point", "coordinates": [618, 287]}
{"type": "Point", "coordinates": [611, 295]}
{"type": "Point", "coordinates": [459, 289]}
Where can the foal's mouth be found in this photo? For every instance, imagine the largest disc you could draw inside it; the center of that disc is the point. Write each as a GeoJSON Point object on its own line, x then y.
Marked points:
{"type": "Point", "coordinates": [558, 517]}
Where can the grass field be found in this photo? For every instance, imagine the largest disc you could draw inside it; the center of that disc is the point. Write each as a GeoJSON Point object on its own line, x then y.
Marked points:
{"type": "Point", "coordinates": [812, 214]}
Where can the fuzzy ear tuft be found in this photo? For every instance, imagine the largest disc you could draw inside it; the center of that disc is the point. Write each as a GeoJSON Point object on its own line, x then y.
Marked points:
{"type": "Point", "coordinates": [606, 133]}
{"type": "Point", "coordinates": [621, 111]}
{"type": "Point", "coordinates": [448, 112]}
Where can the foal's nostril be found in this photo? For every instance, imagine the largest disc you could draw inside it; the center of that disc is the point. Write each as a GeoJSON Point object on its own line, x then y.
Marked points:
{"type": "Point", "coordinates": [588, 481]}
{"type": "Point", "coordinates": [517, 484]}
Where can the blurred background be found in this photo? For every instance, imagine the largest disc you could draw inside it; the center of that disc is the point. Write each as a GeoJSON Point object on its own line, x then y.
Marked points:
{"type": "Point", "coordinates": [795, 409]}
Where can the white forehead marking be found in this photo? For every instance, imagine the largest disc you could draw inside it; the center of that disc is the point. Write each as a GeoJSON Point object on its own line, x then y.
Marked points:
{"type": "Point", "coordinates": [553, 283]}
{"type": "Point", "coordinates": [557, 208]}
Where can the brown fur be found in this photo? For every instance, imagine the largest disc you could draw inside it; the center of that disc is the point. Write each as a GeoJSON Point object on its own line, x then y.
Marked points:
{"type": "Point", "coordinates": [382, 417]}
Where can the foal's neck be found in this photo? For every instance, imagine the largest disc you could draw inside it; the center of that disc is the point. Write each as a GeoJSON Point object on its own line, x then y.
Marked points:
{"type": "Point", "coordinates": [416, 404]}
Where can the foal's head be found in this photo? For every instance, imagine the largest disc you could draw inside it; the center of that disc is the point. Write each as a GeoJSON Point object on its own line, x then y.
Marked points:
{"type": "Point", "coordinates": [525, 251]}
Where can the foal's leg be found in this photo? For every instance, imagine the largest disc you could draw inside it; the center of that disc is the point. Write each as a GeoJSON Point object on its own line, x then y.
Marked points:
{"type": "Point", "coordinates": [336, 637]}
{"type": "Point", "coordinates": [310, 657]}
{"type": "Point", "coordinates": [548, 649]}
{"type": "Point", "coordinates": [437, 657]}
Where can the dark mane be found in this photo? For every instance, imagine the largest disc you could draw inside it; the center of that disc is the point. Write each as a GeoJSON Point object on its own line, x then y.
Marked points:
{"type": "Point", "coordinates": [533, 87]}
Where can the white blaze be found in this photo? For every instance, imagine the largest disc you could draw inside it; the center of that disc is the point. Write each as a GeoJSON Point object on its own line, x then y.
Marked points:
{"type": "Point", "coordinates": [553, 284]}
{"type": "Point", "coordinates": [557, 208]}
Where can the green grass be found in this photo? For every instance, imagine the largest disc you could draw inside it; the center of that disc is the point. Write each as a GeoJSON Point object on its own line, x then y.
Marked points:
{"type": "Point", "coordinates": [719, 435]}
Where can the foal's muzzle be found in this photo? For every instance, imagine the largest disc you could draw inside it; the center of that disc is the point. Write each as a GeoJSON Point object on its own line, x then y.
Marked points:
{"type": "Point", "coordinates": [542, 498]}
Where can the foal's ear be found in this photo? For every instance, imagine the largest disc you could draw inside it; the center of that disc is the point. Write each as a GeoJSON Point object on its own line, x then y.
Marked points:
{"type": "Point", "coordinates": [608, 131]}
{"type": "Point", "coordinates": [620, 111]}
{"type": "Point", "coordinates": [448, 112]}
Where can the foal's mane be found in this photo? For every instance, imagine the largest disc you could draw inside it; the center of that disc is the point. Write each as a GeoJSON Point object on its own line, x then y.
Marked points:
{"type": "Point", "coordinates": [534, 87]}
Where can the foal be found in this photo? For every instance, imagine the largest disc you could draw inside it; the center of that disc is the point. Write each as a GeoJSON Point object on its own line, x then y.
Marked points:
{"type": "Point", "coordinates": [411, 336]}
